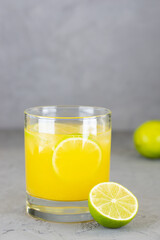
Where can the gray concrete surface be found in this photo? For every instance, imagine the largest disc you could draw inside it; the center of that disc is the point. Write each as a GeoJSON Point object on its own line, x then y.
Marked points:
{"type": "Point", "coordinates": [90, 52]}
{"type": "Point", "coordinates": [138, 174]}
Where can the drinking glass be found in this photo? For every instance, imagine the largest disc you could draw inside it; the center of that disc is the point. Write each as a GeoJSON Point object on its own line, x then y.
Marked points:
{"type": "Point", "coordinates": [67, 152]}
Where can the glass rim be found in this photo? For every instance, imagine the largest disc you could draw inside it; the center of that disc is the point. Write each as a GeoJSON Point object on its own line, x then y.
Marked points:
{"type": "Point", "coordinates": [106, 111]}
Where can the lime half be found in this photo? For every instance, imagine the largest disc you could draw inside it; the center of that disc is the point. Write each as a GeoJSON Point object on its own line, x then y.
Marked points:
{"type": "Point", "coordinates": [112, 205]}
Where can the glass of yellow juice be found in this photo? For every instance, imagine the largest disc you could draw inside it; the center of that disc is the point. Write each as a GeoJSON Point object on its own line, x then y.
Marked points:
{"type": "Point", "coordinates": [67, 152]}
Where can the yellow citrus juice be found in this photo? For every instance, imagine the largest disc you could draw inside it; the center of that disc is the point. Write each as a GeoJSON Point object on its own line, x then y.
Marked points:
{"type": "Point", "coordinates": [64, 161]}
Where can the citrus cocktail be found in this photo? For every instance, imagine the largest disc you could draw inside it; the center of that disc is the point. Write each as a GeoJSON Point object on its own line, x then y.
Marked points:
{"type": "Point", "coordinates": [66, 164]}
{"type": "Point", "coordinates": [67, 152]}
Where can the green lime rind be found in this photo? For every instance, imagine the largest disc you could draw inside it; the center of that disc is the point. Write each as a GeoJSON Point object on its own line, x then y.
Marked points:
{"type": "Point", "coordinates": [107, 221]}
{"type": "Point", "coordinates": [146, 139]}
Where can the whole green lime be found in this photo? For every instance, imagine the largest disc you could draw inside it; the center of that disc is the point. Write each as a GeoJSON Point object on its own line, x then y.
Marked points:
{"type": "Point", "coordinates": [147, 139]}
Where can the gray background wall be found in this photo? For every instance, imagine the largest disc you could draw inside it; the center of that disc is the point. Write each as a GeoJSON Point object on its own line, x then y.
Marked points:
{"type": "Point", "coordinates": [90, 52]}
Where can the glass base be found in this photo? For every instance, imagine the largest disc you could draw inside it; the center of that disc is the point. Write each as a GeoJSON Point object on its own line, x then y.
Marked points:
{"type": "Point", "coordinates": [58, 211]}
